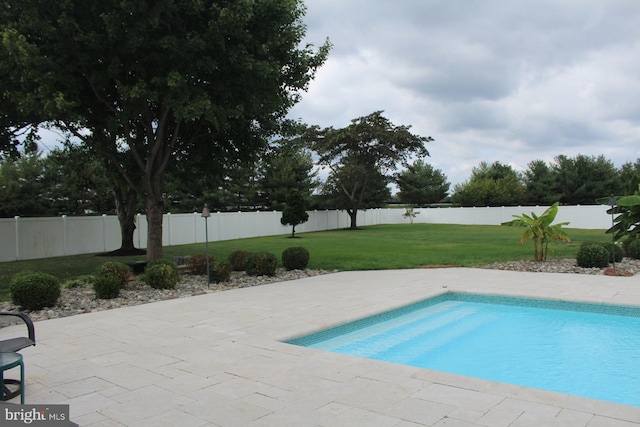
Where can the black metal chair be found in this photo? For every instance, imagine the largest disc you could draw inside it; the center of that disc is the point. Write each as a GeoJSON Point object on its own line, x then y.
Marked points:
{"type": "Point", "coordinates": [12, 345]}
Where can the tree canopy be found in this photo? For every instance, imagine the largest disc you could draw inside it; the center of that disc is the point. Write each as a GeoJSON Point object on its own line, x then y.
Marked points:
{"type": "Point", "coordinates": [583, 179]}
{"type": "Point", "coordinates": [421, 184]}
{"type": "Point", "coordinates": [490, 185]}
{"type": "Point", "coordinates": [361, 155]}
{"type": "Point", "coordinates": [294, 212]}
{"type": "Point", "coordinates": [153, 81]}
{"type": "Point", "coordinates": [286, 168]}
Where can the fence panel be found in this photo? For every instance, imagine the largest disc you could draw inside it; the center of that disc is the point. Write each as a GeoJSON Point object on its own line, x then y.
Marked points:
{"type": "Point", "coordinates": [40, 238]}
{"type": "Point", "coordinates": [29, 238]}
{"type": "Point", "coordinates": [90, 234]}
{"type": "Point", "coordinates": [8, 237]}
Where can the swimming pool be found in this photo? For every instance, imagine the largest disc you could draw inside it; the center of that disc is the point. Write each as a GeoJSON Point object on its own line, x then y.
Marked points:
{"type": "Point", "coordinates": [588, 350]}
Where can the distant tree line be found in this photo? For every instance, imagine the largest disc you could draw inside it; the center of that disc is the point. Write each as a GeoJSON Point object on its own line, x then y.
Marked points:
{"type": "Point", "coordinates": [576, 180]}
{"type": "Point", "coordinates": [69, 181]}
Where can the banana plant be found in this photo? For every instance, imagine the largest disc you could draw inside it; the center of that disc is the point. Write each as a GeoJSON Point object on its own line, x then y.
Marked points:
{"type": "Point", "coordinates": [540, 230]}
{"type": "Point", "coordinates": [627, 223]}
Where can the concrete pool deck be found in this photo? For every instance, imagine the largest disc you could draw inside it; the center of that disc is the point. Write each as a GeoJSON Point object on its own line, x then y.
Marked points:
{"type": "Point", "coordinates": [218, 359]}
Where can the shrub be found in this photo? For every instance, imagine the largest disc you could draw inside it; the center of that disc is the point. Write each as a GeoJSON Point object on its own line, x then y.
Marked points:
{"type": "Point", "coordinates": [107, 287]}
{"type": "Point", "coordinates": [295, 258]}
{"type": "Point", "coordinates": [615, 252]}
{"type": "Point", "coordinates": [220, 272]}
{"type": "Point", "coordinates": [633, 250]}
{"type": "Point", "coordinates": [262, 264]}
{"type": "Point", "coordinates": [589, 243]}
{"type": "Point", "coordinates": [34, 291]}
{"type": "Point", "coordinates": [626, 242]}
{"type": "Point", "coordinates": [79, 282]}
{"type": "Point", "coordinates": [163, 261]}
{"type": "Point", "coordinates": [238, 260]}
{"type": "Point", "coordinates": [115, 269]}
{"type": "Point", "coordinates": [161, 275]}
{"type": "Point", "coordinates": [593, 256]}
{"type": "Point", "coordinates": [198, 263]}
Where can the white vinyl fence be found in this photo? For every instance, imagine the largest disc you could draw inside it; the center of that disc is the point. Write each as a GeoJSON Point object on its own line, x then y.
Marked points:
{"type": "Point", "coordinates": [30, 238]}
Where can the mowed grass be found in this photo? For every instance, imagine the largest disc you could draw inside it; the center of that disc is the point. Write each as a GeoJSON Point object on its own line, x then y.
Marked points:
{"type": "Point", "coordinates": [378, 247]}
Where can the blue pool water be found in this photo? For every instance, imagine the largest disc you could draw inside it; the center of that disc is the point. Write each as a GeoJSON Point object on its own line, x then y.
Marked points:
{"type": "Point", "coordinates": [587, 350]}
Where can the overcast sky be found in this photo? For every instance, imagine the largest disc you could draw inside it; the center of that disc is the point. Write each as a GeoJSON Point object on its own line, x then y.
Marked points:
{"type": "Point", "coordinates": [489, 80]}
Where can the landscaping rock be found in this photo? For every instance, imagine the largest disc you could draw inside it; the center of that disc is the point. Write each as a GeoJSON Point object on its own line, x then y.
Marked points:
{"type": "Point", "coordinates": [82, 299]}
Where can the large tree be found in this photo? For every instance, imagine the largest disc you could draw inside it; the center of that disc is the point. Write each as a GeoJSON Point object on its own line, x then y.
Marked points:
{"type": "Point", "coordinates": [629, 178]}
{"type": "Point", "coordinates": [541, 183]}
{"type": "Point", "coordinates": [421, 184]}
{"type": "Point", "coordinates": [143, 82]}
{"type": "Point", "coordinates": [493, 184]}
{"type": "Point", "coordinates": [285, 169]}
{"type": "Point", "coordinates": [583, 179]}
{"type": "Point", "coordinates": [77, 182]}
{"type": "Point", "coordinates": [357, 155]}
{"type": "Point", "coordinates": [24, 187]}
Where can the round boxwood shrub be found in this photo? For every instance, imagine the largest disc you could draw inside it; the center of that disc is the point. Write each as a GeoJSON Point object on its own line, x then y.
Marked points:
{"type": "Point", "coordinates": [220, 272]}
{"type": "Point", "coordinates": [197, 263]}
{"type": "Point", "coordinates": [34, 291]}
{"type": "Point", "coordinates": [589, 243]}
{"type": "Point", "coordinates": [615, 252]}
{"type": "Point", "coordinates": [593, 256]}
{"type": "Point", "coordinates": [161, 275]}
{"type": "Point", "coordinates": [626, 242]}
{"type": "Point", "coordinates": [163, 261]}
{"type": "Point", "coordinates": [633, 250]}
{"type": "Point", "coordinates": [295, 258]}
{"type": "Point", "coordinates": [261, 264]}
{"type": "Point", "coordinates": [238, 260]}
{"type": "Point", "coordinates": [115, 269]}
{"type": "Point", "coordinates": [107, 287]}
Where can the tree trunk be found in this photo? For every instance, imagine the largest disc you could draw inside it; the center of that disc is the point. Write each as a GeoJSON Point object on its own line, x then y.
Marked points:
{"type": "Point", "coordinates": [154, 224]}
{"type": "Point", "coordinates": [126, 211]}
{"type": "Point", "coordinates": [353, 214]}
{"type": "Point", "coordinates": [293, 231]}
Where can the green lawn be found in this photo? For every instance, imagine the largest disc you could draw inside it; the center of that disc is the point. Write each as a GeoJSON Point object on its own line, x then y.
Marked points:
{"type": "Point", "coordinates": [369, 248]}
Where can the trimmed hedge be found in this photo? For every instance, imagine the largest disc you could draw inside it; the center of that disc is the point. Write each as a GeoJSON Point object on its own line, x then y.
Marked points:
{"type": "Point", "coordinates": [34, 291]}
{"type": "Point", "coordinates": [262, 264]}
{"type": "Point", "coordinates": [161, 274]}
{"type": "Point", "coordinates": [593, 256]}
{"type": "Point", "coordinates": [633, 249]}
{"type": "Point", "coordinates": [238, 260]}
{"type": "Point", "coordinates": [115, 269]}
{"type": "Point", "coordinates": [616, 253]}
{"type": "Point", "coordinates": [220, 272]}
{"type": "Point", "coordinates": [197, 263]}
{"type": "Point", "coordinates": [295, 258]}
{"type": "Point", "coordinates": [107, 287]}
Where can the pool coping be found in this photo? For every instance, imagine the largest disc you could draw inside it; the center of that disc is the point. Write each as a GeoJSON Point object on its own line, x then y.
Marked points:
{"type": "Point", "coordinates": [218, 359]}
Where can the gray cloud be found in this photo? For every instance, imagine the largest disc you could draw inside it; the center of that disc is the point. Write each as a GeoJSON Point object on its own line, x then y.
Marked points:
{"type": "Point", "coordinates": [489, 80]}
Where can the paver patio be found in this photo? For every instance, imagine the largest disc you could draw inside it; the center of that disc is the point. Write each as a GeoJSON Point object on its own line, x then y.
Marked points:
{"type": "Point", "coordinates": [218, 359]}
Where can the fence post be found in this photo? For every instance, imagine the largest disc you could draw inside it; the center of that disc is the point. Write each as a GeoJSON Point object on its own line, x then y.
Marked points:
{"type": "Point", "coordinates": [195, 227]}
{"type": "Point", "coordinates": [168, 222]}
{"type": "Point", "coordinates": [104, 232]}
{"type": "Point", "coordinates": [64, 235]}
{"type": "Point", "coordinates": [17, 225]}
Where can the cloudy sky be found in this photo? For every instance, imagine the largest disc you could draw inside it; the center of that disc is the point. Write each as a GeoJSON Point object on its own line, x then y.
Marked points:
{"type": "Point", "coordinates": [489, 80]}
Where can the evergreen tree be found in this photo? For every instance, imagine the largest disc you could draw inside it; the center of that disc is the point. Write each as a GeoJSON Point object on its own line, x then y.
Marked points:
{"type": "Point", "coordinates": [294, 212]}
